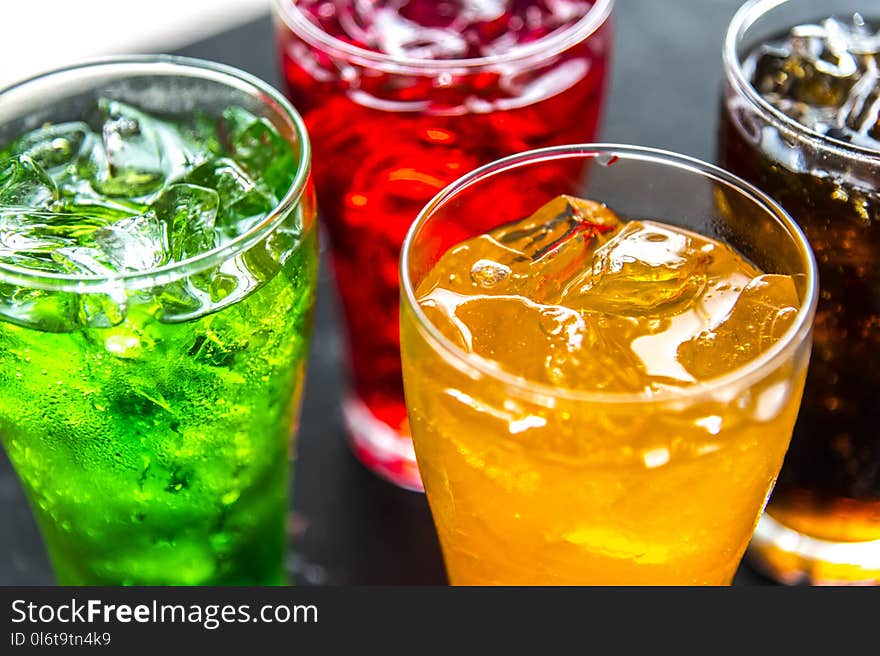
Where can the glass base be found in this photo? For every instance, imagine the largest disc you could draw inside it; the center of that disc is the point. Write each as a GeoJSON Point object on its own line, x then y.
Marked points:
{"type": "Point", "coordinates": [381, 448]}
{"type": "Point", "coordinates": [792, 558]}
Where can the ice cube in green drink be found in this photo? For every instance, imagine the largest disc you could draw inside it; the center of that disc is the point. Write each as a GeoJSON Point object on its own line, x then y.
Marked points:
{"type": "Point", "coordinates": [148, 415]}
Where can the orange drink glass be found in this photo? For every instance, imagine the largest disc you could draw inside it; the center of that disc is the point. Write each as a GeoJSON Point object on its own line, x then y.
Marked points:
{"type": "Point", "coordinates": [531, 482]}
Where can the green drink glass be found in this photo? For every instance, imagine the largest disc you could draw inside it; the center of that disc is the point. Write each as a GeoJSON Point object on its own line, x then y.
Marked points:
{"type": "Point", "coordinates": [158, 265]}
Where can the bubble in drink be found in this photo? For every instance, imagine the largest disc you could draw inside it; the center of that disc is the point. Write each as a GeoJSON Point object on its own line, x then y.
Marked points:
{"type": "Point", "coordinates": [487, 273]}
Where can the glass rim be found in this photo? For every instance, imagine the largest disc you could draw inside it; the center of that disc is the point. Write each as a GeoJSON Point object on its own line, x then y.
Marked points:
{"type": "Point", "coordinates": [545, 47]}
{"type": "Point", "coordinates": [169, 66]}
{"type": "Point", "coordinates": [742, 21]}
{"type": "Point", "coordinates": [755, 368]}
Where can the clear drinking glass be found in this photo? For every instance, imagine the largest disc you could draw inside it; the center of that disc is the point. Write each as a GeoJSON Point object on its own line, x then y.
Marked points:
{"type": "Point", "coordinates": [396, 113]}
{"type": "Point", "coordinates": [149, 413]}
{"type": "Point", "coordinates": [823, 521]}
{"type": "Point", "coordinates": [531, 483]}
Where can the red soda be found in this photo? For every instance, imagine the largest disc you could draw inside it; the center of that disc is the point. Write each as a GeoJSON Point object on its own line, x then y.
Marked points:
{"type": "Point", "coordinates": [401, 98]}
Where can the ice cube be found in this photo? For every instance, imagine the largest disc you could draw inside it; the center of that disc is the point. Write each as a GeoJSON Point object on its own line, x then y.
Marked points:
{"type": "Point", "coordinates": [203, 133]}
{"type": "Point", "coordinates": [448, 29]}
{"type": "Point", "coordinates": [537, 256]}
{"type": "Point", "coordinates": [582, 352]}
{"type": "Point", "coordinates": [549, 343]}
{"type": "Point", "coordinates": [286, 239]}
{"type": "Point", "coordinates": [396, 35]}
{"type": "Point", "coordinates": [810, 69]}
{"type": "Point", "coordinates": [861, 111]}
{"type": "Point", "coordinates": [646, 268]}
{"type": "Point", "coordinates": [565, 223]}
{"type": "Point", "coordinates": [93, 207]}
{"type": "Point", "coordinates": [190, 213]}
{"type": "Point", "coordinates": [764, 311]}
{"type": "Point", "coordinates": [237, 277]}
{"type": "Point", "coordinates": [256, 145]}
{"type": "Point", "coordinates": [25, 184]}
{"type": "Point", "coordinates": [24, 233]}
{"type": "Point", "coordinates": [212, 290]}
{"type": "Point", "coordinates": [137, 243]}
{"type": "Point", "coordinates": [137, 152]}
{"type": "Point", "coordinates": [33, 231]}
{"type": "Point", "coordinates": [181, 301]}
{"type": "Point", "coordinates": [34, 260]}
{"type": "Point", "coordinates": [241, 198]}
{"type": "Point", "coordinates": [100, 310]}
{"type": "Point", "coordinates": [220, 286]}
{"type": "Point", "coordinates": [825, 76]}
{"type": "Point", "coordinates": [504, 329]}
{"type": "Point", "coordinates": [51, 146]}
{"type": "Point", "coordinates": [83, 260]}
{"type": "Point", "coordinates": [183, 147]}
{"type": "Point", "coordinates": [95, 309]}
{"type": "Point", "coordinates": [47, 311]}
{"type": "Point", "coordinates": [127, 161]}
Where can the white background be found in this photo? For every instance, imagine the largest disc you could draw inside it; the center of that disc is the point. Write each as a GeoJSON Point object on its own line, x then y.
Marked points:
{"type": "Point", "coordinates": [41, 34]}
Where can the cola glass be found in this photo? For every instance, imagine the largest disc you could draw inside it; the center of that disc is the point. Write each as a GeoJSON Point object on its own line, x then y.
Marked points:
{"type": "Point", "coordinates": [801, 119]}
{"type": "Point", "coordinates": [402, 98]}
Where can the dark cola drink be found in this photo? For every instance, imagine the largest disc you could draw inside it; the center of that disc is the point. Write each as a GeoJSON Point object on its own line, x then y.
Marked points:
{"type": "Point", "coordinates": [801, 120]}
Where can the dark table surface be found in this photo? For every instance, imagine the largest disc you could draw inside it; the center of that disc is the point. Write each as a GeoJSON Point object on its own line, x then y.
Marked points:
{"type": "Point", "coordinates": [349, 527]}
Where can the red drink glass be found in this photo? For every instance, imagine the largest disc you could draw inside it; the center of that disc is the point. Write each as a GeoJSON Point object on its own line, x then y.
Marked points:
{"type": "Point", "coordinates": [402, 97]}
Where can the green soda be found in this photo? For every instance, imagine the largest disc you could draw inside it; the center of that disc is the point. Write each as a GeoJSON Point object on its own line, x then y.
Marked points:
{"type": "Point", "coordinates": [153, 340]}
